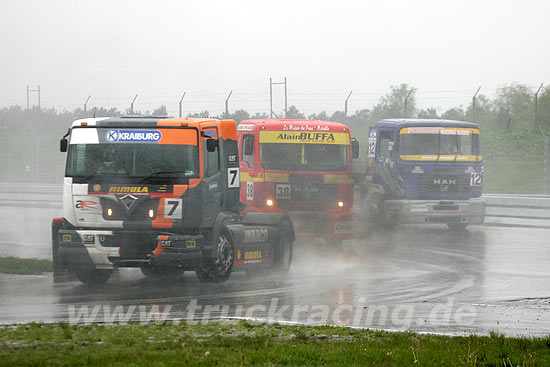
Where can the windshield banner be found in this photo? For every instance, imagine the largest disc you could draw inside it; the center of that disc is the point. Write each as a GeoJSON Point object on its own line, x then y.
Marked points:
{"type": "Point", "coordinates": [438, 130]}
{"type": "Point", "coordinates": [299, 137]}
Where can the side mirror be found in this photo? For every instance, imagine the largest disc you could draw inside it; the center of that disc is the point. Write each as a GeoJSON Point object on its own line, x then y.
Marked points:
{"type": "Point", "coordinates": [211, 145]}
{"type": "Point", "coordinates": [63, 143]}
{"type": "Point", "coordinates": [354, 148]}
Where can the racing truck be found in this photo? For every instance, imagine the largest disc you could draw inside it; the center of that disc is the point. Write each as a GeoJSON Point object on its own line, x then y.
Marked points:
{"type": "Point", "coordinates": [161, 194]}
{"type": "Point", "coordinates": [423, 171]}
{"type": "Point", "coordinates": [302, 168]}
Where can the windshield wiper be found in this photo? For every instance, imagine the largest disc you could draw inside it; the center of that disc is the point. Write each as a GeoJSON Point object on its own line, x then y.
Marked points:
{"type": "Point", "coordinates": [156, 173]}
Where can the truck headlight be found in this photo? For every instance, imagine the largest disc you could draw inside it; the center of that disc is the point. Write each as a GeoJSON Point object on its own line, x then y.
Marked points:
{"type": "Point", "coordinates": [340, 204]}
{"type": "Point", "coordinates": [269, 202]}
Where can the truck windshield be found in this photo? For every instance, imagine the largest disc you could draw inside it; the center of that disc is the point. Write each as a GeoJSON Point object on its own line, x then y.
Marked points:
{"type": "Point", "coordinates": [304, 157]}
{"type": "Point", "coordinates": [132, 162]}
{"type": "Point", "coordinates": [439, 144]}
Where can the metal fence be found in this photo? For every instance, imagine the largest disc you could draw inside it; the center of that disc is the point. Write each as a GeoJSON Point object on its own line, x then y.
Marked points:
{"type": "Point", "coordinates": [502, 210]}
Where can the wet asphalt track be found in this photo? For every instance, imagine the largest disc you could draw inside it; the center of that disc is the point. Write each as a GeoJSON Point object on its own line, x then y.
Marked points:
{"type": "Point", "coordinates": [421, 278]}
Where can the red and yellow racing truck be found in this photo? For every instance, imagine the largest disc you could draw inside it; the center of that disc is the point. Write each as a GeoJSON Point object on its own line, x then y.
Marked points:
{"type": "Point", "coordinates": [302, 168]}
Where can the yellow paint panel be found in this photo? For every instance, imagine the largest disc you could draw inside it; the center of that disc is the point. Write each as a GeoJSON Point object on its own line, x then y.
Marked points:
{"type": "Point", "coordinates": [276, 177]}
{"type": "Point", "coordinates": [338, 179]}
{"type": "Point", "coordinates": [245, 176]}
{"type": "Point", "coordinates": [447, 158]}
{"type": "Point", "coordinates": [299, 137]}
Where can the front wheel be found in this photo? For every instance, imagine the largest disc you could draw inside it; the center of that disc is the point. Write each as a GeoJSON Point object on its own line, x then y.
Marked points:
{"type": "Point", "coordinates": [457, 226]}
{"type": "Point", "coordinates": [93, 276]}
{"type": "Point", "coordinates": [219, 269]}
{"type": "Point", "coordinates": [283, 251]}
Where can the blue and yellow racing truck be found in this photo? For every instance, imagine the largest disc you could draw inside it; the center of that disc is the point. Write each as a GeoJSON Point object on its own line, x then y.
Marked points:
{"type": "Point", "coordinates": [423, 171]}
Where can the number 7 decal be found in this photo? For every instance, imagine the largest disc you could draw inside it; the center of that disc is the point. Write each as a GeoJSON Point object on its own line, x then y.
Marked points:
{"type": "Point", "coordinates": [172, 208]}
{"type": "Point", "coordinates": [233, 179]}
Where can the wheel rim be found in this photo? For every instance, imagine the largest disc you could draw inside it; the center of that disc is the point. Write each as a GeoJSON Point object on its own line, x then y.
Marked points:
{"type": "Point", "coordinates": [225, 255]}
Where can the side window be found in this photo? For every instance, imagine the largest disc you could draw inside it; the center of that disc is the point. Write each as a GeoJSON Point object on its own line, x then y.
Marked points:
{"type": "Point", "coordinates": [386, 143]}
{"type": "Point", "coordinates": [212, 159]}
{"type": "Point", "coordinates": [247, 152]}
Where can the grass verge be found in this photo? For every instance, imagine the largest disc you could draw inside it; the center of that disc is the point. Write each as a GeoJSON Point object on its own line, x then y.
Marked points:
{"type": "Point", "coordinates": [15, 265]}
{"type": "Point", "coordinates": [245, 344]}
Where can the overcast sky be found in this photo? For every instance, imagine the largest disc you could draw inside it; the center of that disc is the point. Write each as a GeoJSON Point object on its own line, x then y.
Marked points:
{"type": "Point", "coordinates": [113, 50]}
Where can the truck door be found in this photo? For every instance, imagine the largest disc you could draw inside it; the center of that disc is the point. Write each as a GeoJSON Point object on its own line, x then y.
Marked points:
{"type": "Point", "coordinates": [212, 189]}
{"type": "Point", "coordinates": [247, 167]}
{"type": "Point", "coordinates": [386, 159]}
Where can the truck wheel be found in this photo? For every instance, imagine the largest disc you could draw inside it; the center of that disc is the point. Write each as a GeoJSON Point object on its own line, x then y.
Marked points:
{"type": "Point", "coordinates": [158, 272]}
{"type": "Point", "coordinates": [457, 226]}
{"type": "Point", "coordinates": [282, 254]}
{"type": "Point", "coordinates": [373, 212]}
{"type": "Point", "coordinates": [93, 276]}
{"type": "Point", "coordinates": [219, 269]}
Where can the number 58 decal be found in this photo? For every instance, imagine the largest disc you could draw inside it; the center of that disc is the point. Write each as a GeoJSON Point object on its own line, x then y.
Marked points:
{"type": "Point", "coordinates": [233, 179]}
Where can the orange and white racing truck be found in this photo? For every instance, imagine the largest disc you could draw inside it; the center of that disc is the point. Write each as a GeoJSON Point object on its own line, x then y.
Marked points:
{"type": "Point", "coordinates": [302, 168]}
{"type": "Point", "coordinates": [160, 194]}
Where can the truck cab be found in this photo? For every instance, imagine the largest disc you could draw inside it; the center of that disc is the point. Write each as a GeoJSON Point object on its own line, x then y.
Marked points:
{"type": "Point", "coordinates": [161, 194]}
{"type": "Point", "coordinates": [424, 171]}
{"type": "Point", "coordinates": [302, 168]}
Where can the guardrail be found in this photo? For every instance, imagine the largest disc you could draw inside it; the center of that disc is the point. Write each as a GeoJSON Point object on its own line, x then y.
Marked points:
{"type": "Point", "coordinates": [31, 195]}
{"type": "Point", "coordinates": [517, 210]}
{"type": "Point", "coordinates": [502, 210]}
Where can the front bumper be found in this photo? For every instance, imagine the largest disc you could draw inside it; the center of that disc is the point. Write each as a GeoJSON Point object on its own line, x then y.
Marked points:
{"type": "Point", "coordinates": [338, 225]}
{"type": "Point", "coordinates": [435, 211]}
{"type": "Point", "coordinates": [102, 249]}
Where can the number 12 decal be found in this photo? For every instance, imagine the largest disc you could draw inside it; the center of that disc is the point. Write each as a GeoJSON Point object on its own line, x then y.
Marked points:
{"type": "Point", "coordinates": [233, 179]}
{"type": "Point", "coordinates": [475, 179]}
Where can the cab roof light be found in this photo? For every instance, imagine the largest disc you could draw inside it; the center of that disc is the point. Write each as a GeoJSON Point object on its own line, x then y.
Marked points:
{"type": "Point", "coordinates": [83, 123]}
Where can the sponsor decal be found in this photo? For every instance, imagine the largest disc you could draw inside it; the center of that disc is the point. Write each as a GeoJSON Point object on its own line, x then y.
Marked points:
{"type": "Point", "coordinates": [418, 207]}
{"type": "Point", "coordinates": [245, 127]}
{"type": "Point", "coordinates": [213, 185]}
{"type": "Point", "coordinates": [438, 130]}
{"type": "Point", "coordinates": [190, 244]}
{"type": "Point", "coordinates": [89, 238]}
{"type": "Point", "coordinates": [252, 255]}
{"type": "Point", "coordinates": [255, 235]}
{"type": "Point", "coordinates": [232, 158]}
{"type": "Point", "coordinates": [67, 238]}
{"type": "Point", "coordinates": [133, 136]}
{"type": "Point", "coordinates": [343, 227]}
{"type": "Point", "coordinates": [238, 254]}
{"type": "Point", "coordinates": [128, 189]}
{"type": "Point", "coordinates": [249, 190]}
{"type": "Point", "coordinates": [85, 204]}
{"type": "Point", "coordinates": [299, 137]}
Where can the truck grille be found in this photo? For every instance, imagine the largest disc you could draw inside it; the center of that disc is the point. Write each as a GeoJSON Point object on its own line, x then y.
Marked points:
{"type": "Point", "coordinates": [437, 184]}
{"type": "Point", "coordinates": [310, 197]}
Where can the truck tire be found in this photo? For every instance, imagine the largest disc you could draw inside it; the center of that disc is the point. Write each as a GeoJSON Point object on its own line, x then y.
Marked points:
{"type": "Point", "coordinates": [457, 226]}
{"type": "Point", "coordinates": [219, 269]}
{"type": "Point", "coordinates": [282, 253]}
{"type": "Point", "coordinates": [93, 276]}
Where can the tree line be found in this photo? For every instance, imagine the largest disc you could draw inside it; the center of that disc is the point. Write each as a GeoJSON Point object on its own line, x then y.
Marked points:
{"type": "Point", "coordinates": [29, 138]}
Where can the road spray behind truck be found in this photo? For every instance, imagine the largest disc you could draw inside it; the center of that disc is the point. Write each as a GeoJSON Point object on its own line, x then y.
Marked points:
{"type": "Point", "coordinates": [302, 168]}
{"type": "Point", "coordinates": [423, 171]}
{"type": "Point", "coordinates": [160, 194]}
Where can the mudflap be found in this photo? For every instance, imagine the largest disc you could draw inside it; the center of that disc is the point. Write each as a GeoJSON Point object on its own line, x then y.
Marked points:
{"type": "Point", "coordinates": [253, 245]}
